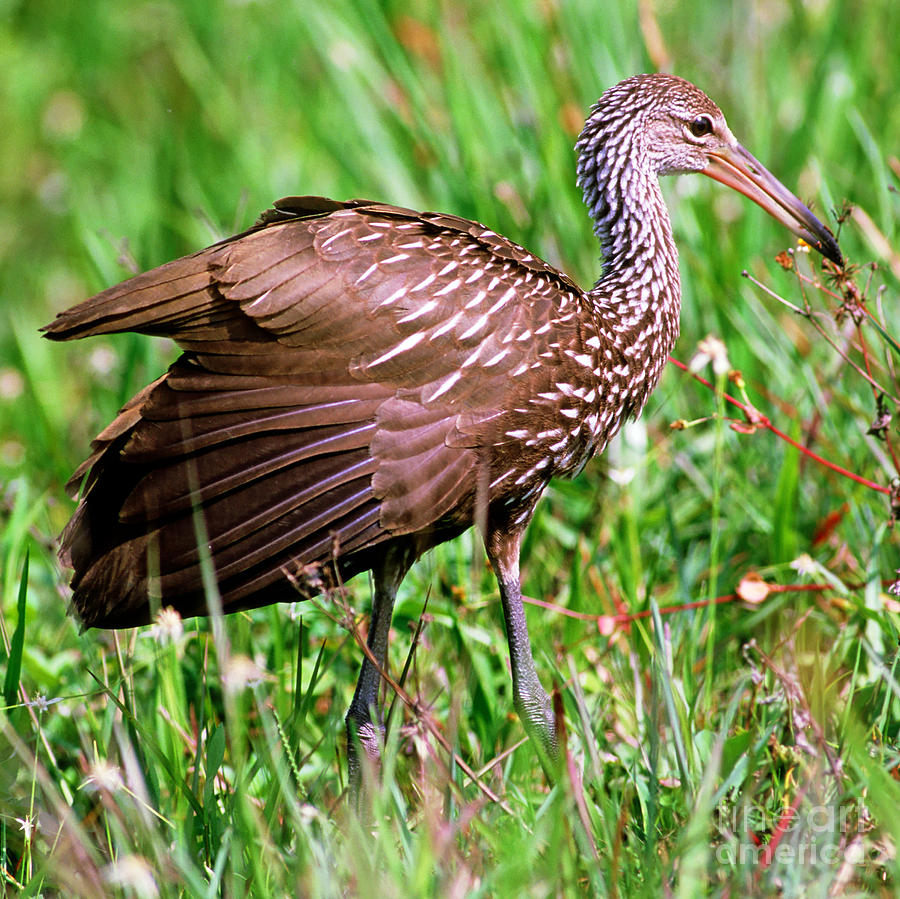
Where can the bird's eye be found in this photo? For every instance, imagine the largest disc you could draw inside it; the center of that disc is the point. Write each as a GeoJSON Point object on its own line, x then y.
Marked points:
{"type": "Point", "coordinates": [701, 126]}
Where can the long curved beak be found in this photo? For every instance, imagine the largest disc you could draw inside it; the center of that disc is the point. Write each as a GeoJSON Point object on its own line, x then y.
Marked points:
{"type": "Point", "coordinates": [736, 168]}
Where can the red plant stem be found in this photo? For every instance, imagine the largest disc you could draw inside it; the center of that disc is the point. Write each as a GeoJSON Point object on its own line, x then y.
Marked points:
{"type": "Point", "coordinates": [756, 417]}
{"type": "Point", "coordinates": [787, 819]}
{"type": "Point", "coordinates": [729, 597]}
{"type": "Point", "coordinates": [625, 617]}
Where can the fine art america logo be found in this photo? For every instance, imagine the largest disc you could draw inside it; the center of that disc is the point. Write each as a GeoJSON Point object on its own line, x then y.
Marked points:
{"type": "Point", "coordinates": [812, 835]}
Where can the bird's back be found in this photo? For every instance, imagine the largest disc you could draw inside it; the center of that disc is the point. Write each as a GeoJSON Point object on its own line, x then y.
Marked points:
{"type": "Point", "coordinates": [352, 373]}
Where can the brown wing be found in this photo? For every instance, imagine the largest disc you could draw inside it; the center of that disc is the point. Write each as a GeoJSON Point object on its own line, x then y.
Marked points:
{"type": "Point", "coordinates": [346, 368]}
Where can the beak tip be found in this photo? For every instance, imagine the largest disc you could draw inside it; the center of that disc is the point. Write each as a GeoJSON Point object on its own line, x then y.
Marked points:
{"type": "Point", "coordinates": [824, 243]}
{"type": "Point", "coordinates": [831, 251]}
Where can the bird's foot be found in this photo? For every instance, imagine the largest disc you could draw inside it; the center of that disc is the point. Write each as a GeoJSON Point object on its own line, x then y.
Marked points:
{"type": "Point", "coordinates": [535, 710]}
{"type": "Point", "coordinates": [364, 741]}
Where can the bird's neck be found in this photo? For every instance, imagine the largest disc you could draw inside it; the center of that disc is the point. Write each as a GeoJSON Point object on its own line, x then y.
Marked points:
{"type": "Point", "coordinates": [637, 301]}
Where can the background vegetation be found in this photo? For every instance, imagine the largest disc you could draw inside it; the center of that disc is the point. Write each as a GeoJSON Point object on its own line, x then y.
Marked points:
{"type": "Point", "coordinates": [747, 745]}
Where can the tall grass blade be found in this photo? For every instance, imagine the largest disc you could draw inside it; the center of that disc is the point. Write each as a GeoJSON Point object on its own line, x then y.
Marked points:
{"type": "Point", "coordinates": [17, 641]}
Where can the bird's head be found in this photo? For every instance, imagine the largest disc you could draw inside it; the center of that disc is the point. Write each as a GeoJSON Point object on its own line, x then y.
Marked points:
{"type": "Point", "coordinates": [665, 125]}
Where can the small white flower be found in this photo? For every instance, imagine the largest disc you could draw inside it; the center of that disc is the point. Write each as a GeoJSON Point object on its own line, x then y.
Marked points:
{"type": "Point", "coordinates": [27, 825]}
{"type": "Point", "coordinates": [12, 384]}
{"type": "Point", "coordinates": [103, 775]}
{"type": "Point", "coordinates": [241, 672]}
{"type": "Point", "coordinates": [711, 349]}
{"type": "Point", "coordinates": [343, 54]}
{"type": "Point", "coordinates": [805, 564]}
{"type": "Point", "coordinates": [103, 360]}
{"type": "Point", "coordinates": [309, 813]}
{"type": "Point", "coordinates": [621, 476]}
{"type": "Point", "coordinates": [168, 626]}
{"type": "Point", "coordinates": [894, 587]}
{"type": "Point", "coordinates": [134, 872]}
{"type": "Point", "coordinates": [40, 702]}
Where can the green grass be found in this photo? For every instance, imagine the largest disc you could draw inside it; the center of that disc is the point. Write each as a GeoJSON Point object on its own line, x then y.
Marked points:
{"type": "Point", "coordinates": [213, 763]}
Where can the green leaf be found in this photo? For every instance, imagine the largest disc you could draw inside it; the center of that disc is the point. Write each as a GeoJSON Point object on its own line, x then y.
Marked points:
{"type": "Point", "coordinates": [17, 643]}
{"type": "Point", "coordinates": [215, 754]}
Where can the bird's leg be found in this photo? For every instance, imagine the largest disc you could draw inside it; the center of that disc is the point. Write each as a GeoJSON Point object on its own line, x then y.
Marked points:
{"type": "Point", "coordinates": [532, 702]}
{"type": "Point", "coordinates": [362, 731]}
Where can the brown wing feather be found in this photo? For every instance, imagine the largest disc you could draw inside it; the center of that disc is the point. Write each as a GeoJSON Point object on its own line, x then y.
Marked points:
{"type": "Point", "coordinates": [347, 369]}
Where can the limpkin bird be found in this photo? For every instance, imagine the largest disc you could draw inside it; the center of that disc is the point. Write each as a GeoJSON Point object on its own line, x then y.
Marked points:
{"type": "Point", "coordinates": [360, 382]}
